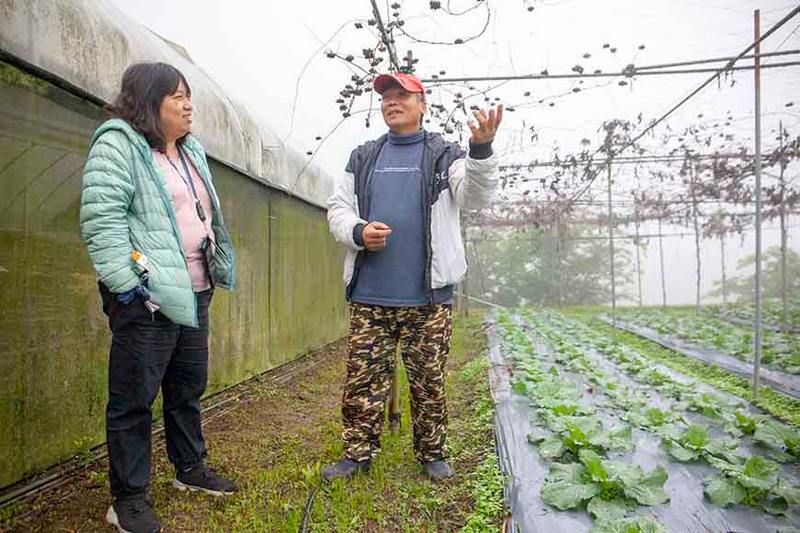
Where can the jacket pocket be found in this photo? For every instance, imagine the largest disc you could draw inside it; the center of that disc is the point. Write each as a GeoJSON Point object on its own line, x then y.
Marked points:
{"type": "Point", "coordinates": [220, 264]}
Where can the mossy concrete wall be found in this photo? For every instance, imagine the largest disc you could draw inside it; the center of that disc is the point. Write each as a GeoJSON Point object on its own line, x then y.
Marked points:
{"type": "Point", "coordinates": [54, 338]}
{"type": "Point", "coordinates": [303, 289]}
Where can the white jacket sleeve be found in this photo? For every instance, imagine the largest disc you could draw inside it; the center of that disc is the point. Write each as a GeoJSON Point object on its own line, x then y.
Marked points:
{"type": "Point", "coordinates": [343, 211]}
{"type": "Point", "coordinates": [473, 181]}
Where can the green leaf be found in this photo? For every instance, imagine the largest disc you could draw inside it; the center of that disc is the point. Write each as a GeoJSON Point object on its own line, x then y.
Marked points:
{"type": "Point", "coordinates": [625, 474]}
{"type": "Point", "coordinates": [621, 439]}
{"type": "Point", "coordinates": [551, 447]}
{"type": "Point", "coordinates": [724, 449]}
{"type": "Point", "coordinates": [669, 432]}
{"type": "Point", "coordinates": [651, 490]}
{"type": "Point", "coordinates": [770, 433]}
{"type": "Point", "coordinates": [776, 506]}
{"type": "Point", "coordinates": [759, 473]}
{"type": "Point", "coordinates": [536, 438]}
{"type": "Point", "coordinates": [594, 465]}
{"type": "Point", "coordinates": [656, 417]}
{"type": "Point", "coordinates": [680, 453]}
{"type": "Point", "coordinates": [724, 466]}
{"type": "Point", "coordinates": [603, 510]}
{"type": "Point", "coordinates": [777, 435]}
{"type": "Point", "coordinates": [520, 387]}
{"type": "Point", "coordinates": [723, 491]}
{"type": "Point", "coordinates": [745, 423]}
{"type": "Point", "coordinates": [787, 491]}
{"type": "Point", "coordinates": [637, 524]}
{"type": "Point", "coordinates": [565, 409]}
{"type": "Point", "coordinates": [582, 425]}
{"type": "Point", "coordinates": [696, 437]}
{"type": "Point", "coordinates": [564, 488]}
{"type": "Point", "coordinates": [779, 456]}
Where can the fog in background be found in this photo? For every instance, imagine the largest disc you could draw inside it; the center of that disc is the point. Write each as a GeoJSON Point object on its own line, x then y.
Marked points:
{"type": "Point", "coordinates": [271, 57]}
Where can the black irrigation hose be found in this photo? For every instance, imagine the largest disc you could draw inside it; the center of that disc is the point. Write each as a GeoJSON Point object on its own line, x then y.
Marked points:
{"type": "Point", "coordinates": [307, 513]}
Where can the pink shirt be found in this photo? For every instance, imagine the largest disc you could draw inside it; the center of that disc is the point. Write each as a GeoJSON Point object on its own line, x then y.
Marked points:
{"type": "Point", "coordinates": [191, 229]}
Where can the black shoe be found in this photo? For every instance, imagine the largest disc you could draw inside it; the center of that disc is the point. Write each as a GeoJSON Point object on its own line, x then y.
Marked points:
{"type": "Point", "coordinates": [345, 469]}
{"type": "Point", "coordinates": [438, 470]}
{"type": "Point", "coordinates": [203, 479]}
{"type": "Point", "coordinates": [133, 514]}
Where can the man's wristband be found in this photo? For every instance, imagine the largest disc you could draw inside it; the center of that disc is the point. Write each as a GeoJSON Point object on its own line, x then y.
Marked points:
{"type": "Point", "coordinates": [480, 150]}
{"type": "Point", "coordinates": [358, 234]}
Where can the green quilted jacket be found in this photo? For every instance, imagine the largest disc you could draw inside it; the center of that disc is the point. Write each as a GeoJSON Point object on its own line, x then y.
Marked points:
{"type": "Point", "coordinates": [125, 206]}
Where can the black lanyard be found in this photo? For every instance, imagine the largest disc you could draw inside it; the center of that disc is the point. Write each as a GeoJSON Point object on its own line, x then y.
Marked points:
{"type": "Point", "coordinates": [187, 179]}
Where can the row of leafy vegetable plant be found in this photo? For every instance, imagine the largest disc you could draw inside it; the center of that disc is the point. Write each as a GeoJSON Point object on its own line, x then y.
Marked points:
{"type": "Point", "coordinates": [780, 351]}
{"type": "Point", "coordinates": [772, 312]}
{"type": "Point", "coordinates": [582, 476]}
{"type": "Point", "coordinates": [685, 441]}
{"type": "Point", "coordinates": [775, 403]}
{"type": "Point", "coordinates": [615, 486]}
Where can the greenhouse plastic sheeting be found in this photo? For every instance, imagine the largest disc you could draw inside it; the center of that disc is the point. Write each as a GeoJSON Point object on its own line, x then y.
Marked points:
{"type": "Point", "coordinates": [687, 512]}
{"type": "Point", "coordinates": [782, 382]}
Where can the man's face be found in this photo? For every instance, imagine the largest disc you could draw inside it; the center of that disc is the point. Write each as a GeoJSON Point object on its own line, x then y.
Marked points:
{"type": "Point", "coordinates": [402, 110]}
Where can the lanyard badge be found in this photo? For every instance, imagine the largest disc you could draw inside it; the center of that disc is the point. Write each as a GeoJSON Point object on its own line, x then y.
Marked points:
{"type": "Point", "coordinates": [201, 213]}
{"type": "Point", "coordinates": [187, 179]}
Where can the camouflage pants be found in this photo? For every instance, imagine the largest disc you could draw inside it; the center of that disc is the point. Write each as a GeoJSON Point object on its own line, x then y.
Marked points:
{"type": "Point", "coordinates": [424, 333]}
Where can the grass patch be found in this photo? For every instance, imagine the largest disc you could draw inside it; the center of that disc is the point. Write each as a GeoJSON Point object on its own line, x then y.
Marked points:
{"type": "Point", "coordinates": [770, 401]}
{"type": "Point", "coordinates": [395, 495]}
{"type": "Point", "coordinates": [275, 444]}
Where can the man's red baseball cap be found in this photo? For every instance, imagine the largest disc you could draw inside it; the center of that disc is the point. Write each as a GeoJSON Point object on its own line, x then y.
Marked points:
{"type": "Point", "coordinates": [409, 82]}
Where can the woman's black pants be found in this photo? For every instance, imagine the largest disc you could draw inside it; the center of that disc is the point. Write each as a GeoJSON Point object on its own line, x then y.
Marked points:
{"type": "Point", "coordinates": [149, 351]}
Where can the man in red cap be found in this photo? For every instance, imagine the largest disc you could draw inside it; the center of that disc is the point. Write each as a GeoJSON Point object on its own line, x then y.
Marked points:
{"type": "Point", "coordinates": [397, 211]}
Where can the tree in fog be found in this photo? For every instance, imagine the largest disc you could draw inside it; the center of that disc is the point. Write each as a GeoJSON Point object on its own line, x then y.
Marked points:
{"type": "Point", "coordinates": [742, 286]}
{"type": "Point", "coordinates": [545, 267]}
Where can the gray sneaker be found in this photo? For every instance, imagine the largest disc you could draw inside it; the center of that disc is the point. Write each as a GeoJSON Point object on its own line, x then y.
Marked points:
{"type": "Point", "coordinates": [203, 479]}
{"type": "Point", "coordinates": [437, 470]}
{"type": "Point", "coordinates": [345, 469]}
{"type": "Point", "coordinates": [133, 514]}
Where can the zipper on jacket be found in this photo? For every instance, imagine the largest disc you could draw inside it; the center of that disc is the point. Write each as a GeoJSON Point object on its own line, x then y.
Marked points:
{"type": "Point", "coordinates": [427, 188]}
{"type": "Point", "coordinates": [369, 163]}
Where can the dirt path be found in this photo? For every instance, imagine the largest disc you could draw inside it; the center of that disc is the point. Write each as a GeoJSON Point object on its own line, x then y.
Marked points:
{"type": "Point", "coordinates": [276, 438]}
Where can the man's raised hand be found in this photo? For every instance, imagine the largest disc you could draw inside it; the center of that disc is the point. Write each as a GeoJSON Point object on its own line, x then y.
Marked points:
{"type": "Point", "coordinates": [486, 127]}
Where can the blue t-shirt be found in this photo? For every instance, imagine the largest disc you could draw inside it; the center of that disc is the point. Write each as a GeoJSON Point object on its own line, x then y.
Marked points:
{"type": "Point", "coordinates": [395, 276]}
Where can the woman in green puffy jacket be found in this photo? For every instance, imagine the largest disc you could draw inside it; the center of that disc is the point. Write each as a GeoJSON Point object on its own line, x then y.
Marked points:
{"type": "Point", "coordinates": [152, 223]}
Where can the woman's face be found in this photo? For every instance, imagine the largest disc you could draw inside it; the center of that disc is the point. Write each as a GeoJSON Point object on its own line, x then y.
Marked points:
{"type": "Point", "coordinates": [175, 113]}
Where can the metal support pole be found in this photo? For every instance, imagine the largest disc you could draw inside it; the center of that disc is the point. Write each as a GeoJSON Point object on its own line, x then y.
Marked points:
{"type": "Point", "coordinates": [559, 264]}
{"type": "Point", "coordinates": [724, 276]}
{"type": "Point", "coordinates": [611, 250]}
{"type": "Point", "coordinates": [757, 113]}
{"type": "Point", "coordinates": [784, 237]}
{"type": "Point", "coordinates": [638, 255]}
{"type": "Point", "coordinates": [698, 272]}
{"type": "Point", "coordinates": [661, 254]}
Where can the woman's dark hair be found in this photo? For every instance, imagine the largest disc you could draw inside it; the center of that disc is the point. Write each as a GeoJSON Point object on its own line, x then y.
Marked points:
{"type": "Point", "coordinates": [144, 86]}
